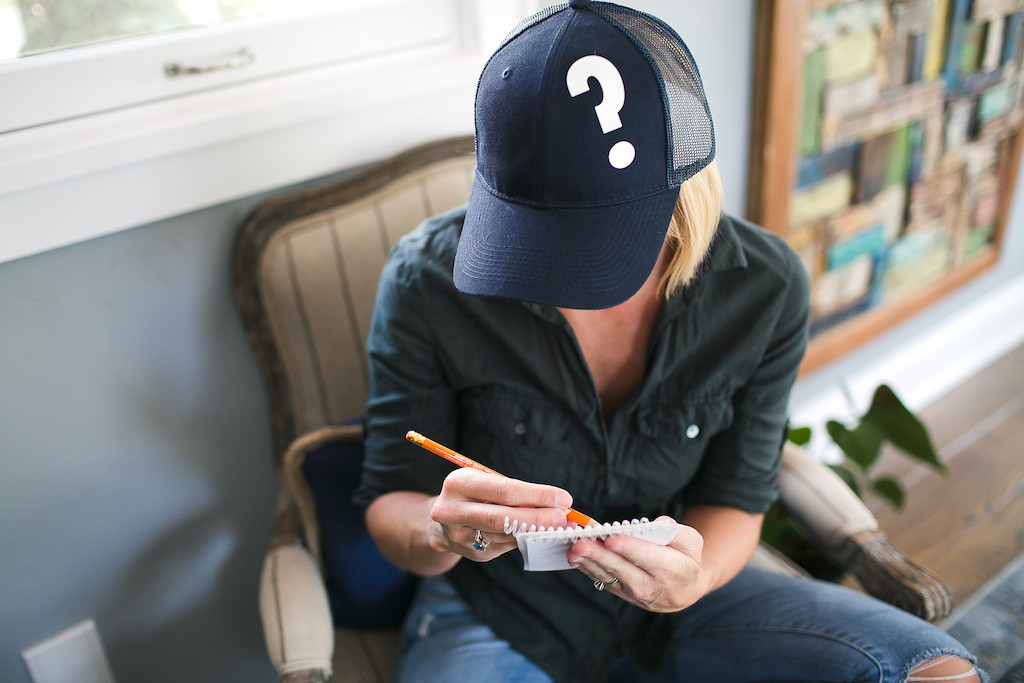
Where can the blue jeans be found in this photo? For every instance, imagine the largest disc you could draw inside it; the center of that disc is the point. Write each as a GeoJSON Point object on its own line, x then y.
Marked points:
{"type": "Point", "coordinates": [759, 627]}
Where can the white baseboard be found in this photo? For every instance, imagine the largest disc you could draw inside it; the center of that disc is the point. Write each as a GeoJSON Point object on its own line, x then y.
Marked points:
{"type": "Point", "coordinates": [924, 368]}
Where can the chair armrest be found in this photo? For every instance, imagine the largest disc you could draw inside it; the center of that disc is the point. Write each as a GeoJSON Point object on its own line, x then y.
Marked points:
{"type": "Point", "coordinates": [821, 503]}
{"type": "Point", "coordinates": [889, 575]}
{"type": "Point", "coordinates": [296, 616]}
{"type": "Point", "coordinates": [839, 523]}
{"type": "Point", "coordinates": [770, 559]}
{"type": "Point", "coordinates": [301, 515]}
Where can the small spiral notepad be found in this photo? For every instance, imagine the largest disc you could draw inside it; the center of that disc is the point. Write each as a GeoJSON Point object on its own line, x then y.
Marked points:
{"type": "Point", "coordinates": [543, 550]}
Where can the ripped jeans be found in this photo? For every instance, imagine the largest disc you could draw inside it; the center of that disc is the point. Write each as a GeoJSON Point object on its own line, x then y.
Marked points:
{"type": "Point", "coordinates": [759, 627]}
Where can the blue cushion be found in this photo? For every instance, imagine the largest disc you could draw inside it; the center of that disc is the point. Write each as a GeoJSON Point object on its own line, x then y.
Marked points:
{"type": "Point", "coordinates": [365, 590]}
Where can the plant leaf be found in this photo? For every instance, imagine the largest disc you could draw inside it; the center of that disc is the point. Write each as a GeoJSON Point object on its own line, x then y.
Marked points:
{"type": "Point", "coordinates": [774, 525]}
{"type": "Point", "coordinates": [891, 490]}
{"type": "Point", "coordinates": [800, 436]}
{"type": "Point", "coordinates": [847, 476]}
{"type": "Point", "coordinates": [861, 445]}
{"type": "Point", "coordinates": [896, 423]}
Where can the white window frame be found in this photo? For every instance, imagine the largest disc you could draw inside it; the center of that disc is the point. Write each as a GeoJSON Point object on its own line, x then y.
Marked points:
{"type": "Point", "coordinates": [89, 163]}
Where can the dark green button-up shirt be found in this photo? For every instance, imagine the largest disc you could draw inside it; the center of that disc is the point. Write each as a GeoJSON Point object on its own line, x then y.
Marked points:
{"type": "Point", "coordinates": [506, 384]}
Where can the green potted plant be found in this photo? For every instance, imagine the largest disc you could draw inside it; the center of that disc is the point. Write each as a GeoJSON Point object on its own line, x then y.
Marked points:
{"type": "Point", "coordinates": [887, 420]}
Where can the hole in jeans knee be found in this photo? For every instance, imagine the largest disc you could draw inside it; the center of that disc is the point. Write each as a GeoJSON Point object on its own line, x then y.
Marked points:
{"type": "Point", "coordinates": [944, 668]}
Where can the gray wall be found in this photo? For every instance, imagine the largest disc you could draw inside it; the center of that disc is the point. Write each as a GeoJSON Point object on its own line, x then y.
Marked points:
{"type": "Point", "coordinates": [135, 478]}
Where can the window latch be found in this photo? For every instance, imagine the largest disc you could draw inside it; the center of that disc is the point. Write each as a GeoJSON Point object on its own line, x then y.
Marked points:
{"type": "Point", "coordinates": [241, 58]}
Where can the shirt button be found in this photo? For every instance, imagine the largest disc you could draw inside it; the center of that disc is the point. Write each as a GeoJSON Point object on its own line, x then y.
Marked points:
{"type": "Point", "coordinates": [520, 428]}
{"type": "Point", "coordinates": [692, 431]}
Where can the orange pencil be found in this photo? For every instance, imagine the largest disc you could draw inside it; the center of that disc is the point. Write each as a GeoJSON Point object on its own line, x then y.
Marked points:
{"type": "Point", "coordinates": [462, 461]}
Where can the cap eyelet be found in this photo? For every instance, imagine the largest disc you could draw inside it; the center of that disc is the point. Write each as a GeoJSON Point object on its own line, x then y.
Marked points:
{"type": "Point", "coordinates": [506, 73]}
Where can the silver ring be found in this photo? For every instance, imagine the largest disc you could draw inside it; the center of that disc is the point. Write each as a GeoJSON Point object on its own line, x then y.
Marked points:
{"type": "Point", "coordinates": [479, 542]}
{"type": "Point", "coordinates": [614, 581]}
{"type": "Point", "coordinates": [599, 585]}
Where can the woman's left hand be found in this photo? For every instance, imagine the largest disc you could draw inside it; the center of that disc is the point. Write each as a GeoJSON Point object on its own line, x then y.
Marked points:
{"type": "Point", "coordinates": [657, 578]}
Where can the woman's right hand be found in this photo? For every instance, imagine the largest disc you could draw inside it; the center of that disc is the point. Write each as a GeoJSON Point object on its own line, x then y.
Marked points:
{"type": "Point", "coordinates": [471, 501]}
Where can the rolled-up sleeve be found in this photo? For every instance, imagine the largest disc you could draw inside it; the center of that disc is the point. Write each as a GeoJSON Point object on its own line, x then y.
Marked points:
{"type": "Point", "coordinates": [408, 388]}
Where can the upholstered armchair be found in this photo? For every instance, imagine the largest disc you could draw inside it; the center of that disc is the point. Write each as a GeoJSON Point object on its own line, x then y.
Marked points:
{"type": "Point", "coordinates": [305, 270]}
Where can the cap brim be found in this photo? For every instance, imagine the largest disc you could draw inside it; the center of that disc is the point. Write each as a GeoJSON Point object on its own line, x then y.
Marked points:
{"type": "Point", "coordinates": [585, 258]}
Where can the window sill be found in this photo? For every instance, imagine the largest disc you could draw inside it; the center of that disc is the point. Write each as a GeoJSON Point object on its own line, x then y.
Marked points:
{"type": "Point", "coordinates": [75, 180]}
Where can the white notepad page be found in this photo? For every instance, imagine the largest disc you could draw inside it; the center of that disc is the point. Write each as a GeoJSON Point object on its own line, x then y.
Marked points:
{"type": "Point", "coordinates": [543, 550]}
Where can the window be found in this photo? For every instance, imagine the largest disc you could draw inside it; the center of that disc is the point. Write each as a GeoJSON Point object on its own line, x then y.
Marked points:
{"type": "Point", "coordinates": [100, 131]}
{"type": "Point", "coordinates": [31, 27]}
{"type": "Point", "coordinates": [63, 60]}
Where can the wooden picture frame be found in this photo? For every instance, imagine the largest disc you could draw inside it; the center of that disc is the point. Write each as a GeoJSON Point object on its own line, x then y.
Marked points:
{"type": "Point", "coordinates": [876, 84]}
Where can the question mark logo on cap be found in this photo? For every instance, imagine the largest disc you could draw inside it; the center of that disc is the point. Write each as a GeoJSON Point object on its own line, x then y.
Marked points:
{"type": "Point", "coordinates": [613, 97]}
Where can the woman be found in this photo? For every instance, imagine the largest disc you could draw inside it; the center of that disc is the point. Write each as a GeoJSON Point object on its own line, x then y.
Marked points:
{"type": "Point", "coordinates": [592, 326]}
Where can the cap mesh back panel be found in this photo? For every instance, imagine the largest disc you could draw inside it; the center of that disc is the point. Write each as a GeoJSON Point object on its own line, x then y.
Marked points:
{"type": "Point", "coordinates": [531, 20]}
{"type": "Point", "coordinates": [689, 119]}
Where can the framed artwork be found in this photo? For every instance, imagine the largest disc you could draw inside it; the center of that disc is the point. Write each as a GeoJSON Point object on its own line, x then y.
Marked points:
{"type": "Point", "coordinates": [885, 141]}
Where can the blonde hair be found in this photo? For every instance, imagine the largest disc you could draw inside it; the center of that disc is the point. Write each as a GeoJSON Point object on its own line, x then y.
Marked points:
{"type": "Point", "coordinates": [693, 225]}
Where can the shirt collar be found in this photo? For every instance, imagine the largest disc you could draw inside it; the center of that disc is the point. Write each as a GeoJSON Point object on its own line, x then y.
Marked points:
{"type": "Point", "coordinates": [726, 251]}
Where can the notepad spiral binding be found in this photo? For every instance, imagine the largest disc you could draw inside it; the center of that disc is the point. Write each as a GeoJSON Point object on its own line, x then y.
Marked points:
{"type": "Point", "coordinates": [544, 548]}
{"type": "Point", "coordinates": [603, 531]}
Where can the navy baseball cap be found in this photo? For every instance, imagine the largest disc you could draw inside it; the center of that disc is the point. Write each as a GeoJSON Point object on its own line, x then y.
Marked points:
{"type": "Point", "coordinates": [589, 117]}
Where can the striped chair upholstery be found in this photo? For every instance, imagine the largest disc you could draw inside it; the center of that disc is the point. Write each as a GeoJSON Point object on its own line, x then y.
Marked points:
{"type": "Point", "coordinates": [306, 272]}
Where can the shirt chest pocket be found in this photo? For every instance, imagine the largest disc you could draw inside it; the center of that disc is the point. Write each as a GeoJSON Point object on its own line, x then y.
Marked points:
{"type": "Point", "coordinates": [683, 422]}
{"type": "Point", "coordinates": [670, 439]}
{"type": "Point", "coordinates": [521, 436]}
